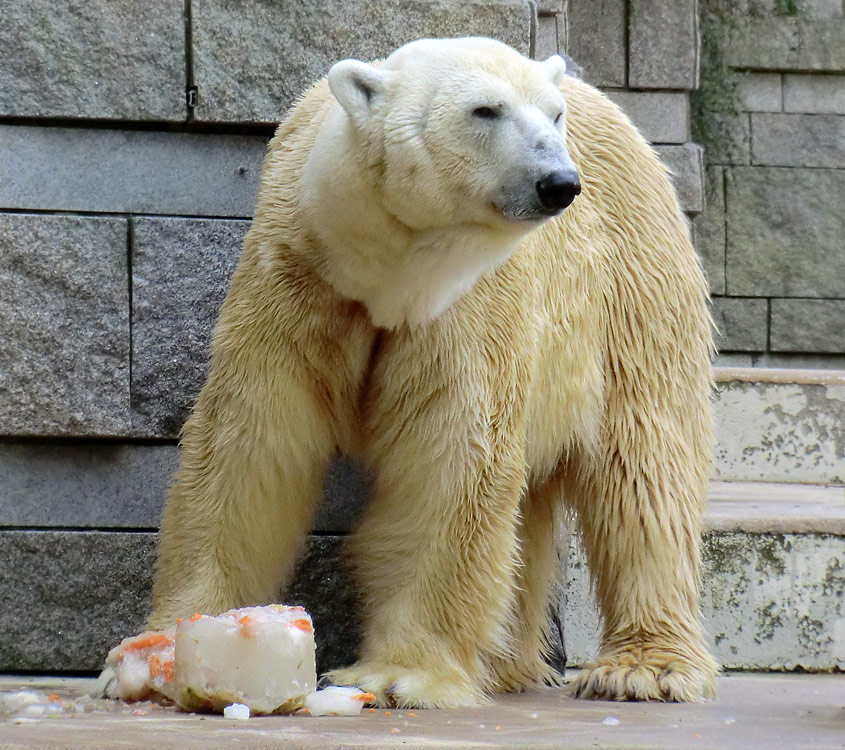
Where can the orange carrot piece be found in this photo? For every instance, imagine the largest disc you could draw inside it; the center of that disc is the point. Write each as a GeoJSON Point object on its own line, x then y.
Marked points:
{"type": "Point", "coordinates": [155, 665]}
{"type": "Point", "coordinates": [302, 624]}
{"type": "Point", "coordinates": [167, 670]}
{"type": "Point", "coordinates": [196, 616]}
{"type": "Point", "coordinates": [364, 697]}
{"type": "Point", "coordinates": [147, 641]}
{"type": "Point", "coordinates": [54, 698]}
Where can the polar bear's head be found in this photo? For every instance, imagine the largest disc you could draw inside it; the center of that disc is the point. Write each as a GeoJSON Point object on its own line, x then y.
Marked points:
{"type": "Point", "coordinates": [462, 131]}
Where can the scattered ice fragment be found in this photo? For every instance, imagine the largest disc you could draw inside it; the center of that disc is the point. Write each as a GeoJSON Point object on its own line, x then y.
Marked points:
{"type": "Point", "coordinates": [21, 699]}
{"type": "Point", "coordinates": [730, 720]}
{"type": "Point", "coordinates": [25, 720]}
{"type": "Point", "coordinates": [610, 721]}
{"type": "Point", "coordinates": [337, 701]}
{"type": "Point", "coordinates": [35, 709]}
{"type": "Point", "coordinates": [533, 716]}
{"type": "Point", "coordinates": [236, 711]}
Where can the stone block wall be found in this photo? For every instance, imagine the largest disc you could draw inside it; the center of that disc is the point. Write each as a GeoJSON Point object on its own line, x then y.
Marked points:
{"type": "Point", "coordinates": [131, 139]}
{"type": "Point", "coordinates": [771, 112]}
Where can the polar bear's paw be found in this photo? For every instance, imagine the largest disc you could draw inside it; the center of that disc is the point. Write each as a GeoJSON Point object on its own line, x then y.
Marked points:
{"type": "Point", "coordinates": [411, 688]}
{"type": "Point", "coordinates": [642, 674]}
{"type": "Point", "coordinates": [107, 685]}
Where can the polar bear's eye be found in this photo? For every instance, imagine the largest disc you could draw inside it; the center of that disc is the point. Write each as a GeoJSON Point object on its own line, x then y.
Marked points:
{"type": "Point", "coordinates": [486, 113]}
{"type": "Point", "coordinates": [558, 118]}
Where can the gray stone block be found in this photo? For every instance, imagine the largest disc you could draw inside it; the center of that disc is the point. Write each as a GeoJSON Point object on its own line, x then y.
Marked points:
{"type": "Point", "coordinates": [782, 140]}
{"type": "Point", "coordinates": [785, 230]}
{"type": "Point", "coordinates": [67, 597]}
{"type": "Point", "coordinates": [596, 38]}
{"type": "Point", "coordinates": [821, 8]}
{"type": "Point", "coordinates": [548, 41]}
{"type": "Point", "coordinates": [709, 228]}
{"type": "Point", "coordinates": [686, 164]}
{"type": "Point", "coordinates": [64, 330]}
{"type": "Point", "coordinates": [661, 116]}
{"type": "Point", "coordinates": [663, 39]}
{"type": "Point", "coordinates": [786, 44]}
{"type": "Point", "coordinates": [800, 361]}
{"type": "Point", "coordinates": [808, 325]}
{"type": "Point", "coordinates": [761, 92]}
{"type": "Point", "coordinates": [742, 323]}
{"type": "Point", "coordinates": [814, 94]}
{"type": "Point", "coordinates": [180, 274]}
{"type": "Point", "coordinates": [97, 59]}
{"type": "Point", "coordinates": [84, 485]}
{"type": "Point", "coordinates": [81, 169]}
{"type": "Point", "coordinates": [731, 143]}
{"type": "Point", "coordinates": [251, 60]}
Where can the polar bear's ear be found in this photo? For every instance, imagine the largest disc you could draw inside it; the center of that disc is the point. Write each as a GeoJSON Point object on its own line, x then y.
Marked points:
{"type": "Point", "coordinates": [554, 68]}
{"type": "Point", "coordinates": [355, 84]}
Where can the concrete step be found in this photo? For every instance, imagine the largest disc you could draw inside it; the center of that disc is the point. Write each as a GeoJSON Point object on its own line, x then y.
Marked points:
{"type": "Point", "coordinates": [752, 712]}
{"type": "Point", "coordinates": [773, 581]}
{"type": "Point", "coordinates": [780, 425]}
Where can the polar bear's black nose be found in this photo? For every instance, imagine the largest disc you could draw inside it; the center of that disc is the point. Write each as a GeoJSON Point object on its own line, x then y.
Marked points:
{"type": "Point", "coordinates": [558, 189]}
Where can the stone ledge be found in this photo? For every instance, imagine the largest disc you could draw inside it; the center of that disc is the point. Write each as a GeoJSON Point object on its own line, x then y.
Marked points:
{"type": "Point", "coordinates": [129, 171]}
{"type": "Point", "coordinates": [780, 431]}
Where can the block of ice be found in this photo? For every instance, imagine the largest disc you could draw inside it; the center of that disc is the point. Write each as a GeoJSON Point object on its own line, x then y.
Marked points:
{"type": "Point", "coordinates": [337, 701]}
{"type": "Point", "coordinates": [262, 657]}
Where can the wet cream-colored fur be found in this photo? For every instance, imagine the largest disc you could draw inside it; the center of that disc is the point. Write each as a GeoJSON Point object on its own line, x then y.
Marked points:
{"type": "Point", "coordinates": [493, 372]}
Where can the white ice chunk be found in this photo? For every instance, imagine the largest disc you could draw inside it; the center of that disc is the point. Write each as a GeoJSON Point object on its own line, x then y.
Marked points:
{"type": "Point", "coordinates": [236, 711]}
{"type": "Point", "coordinates": [143, 665]}
{"type": "Point", "coordinates": [337, 701]}
{"type": "Point", "coordinates": [262, 657]}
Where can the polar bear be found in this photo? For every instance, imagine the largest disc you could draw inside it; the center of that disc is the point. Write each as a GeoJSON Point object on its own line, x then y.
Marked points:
{"type": "Point", "coordinates": [472, 273]}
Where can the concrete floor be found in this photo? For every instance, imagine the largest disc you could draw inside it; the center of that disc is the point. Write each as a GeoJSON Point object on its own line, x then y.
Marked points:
{"type": "Point", "coordinates": [766, 711]}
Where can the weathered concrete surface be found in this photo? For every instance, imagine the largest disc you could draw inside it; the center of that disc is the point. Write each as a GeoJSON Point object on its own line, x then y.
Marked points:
{"type": "Point", "coordinates": [752, 712]}
{"type": "Point", "coordinates": [64, 325]}
{"type": "Point", "coordinates": [785, 229]}
{"type": "Point", "coordinates": [180, 275]}
{"type": "Point", "coordinates": [808, 325]}
{"type": "Point", "coordinates": [769, 601]}
{"type": "Point", "coordinates": [85, 169]}
{"type": "Point", "coordinates": [782, 432]}
{"type": "Point", "coordinates": [251, 60]}
{"type": "Point", "coordinates": [99, 59]}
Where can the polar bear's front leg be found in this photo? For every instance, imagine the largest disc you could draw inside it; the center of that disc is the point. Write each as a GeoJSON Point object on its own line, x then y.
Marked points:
{"type": "Point", "coordinates": [639, 504]}
{"type": "Point", "coordinates": [436, 552]}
